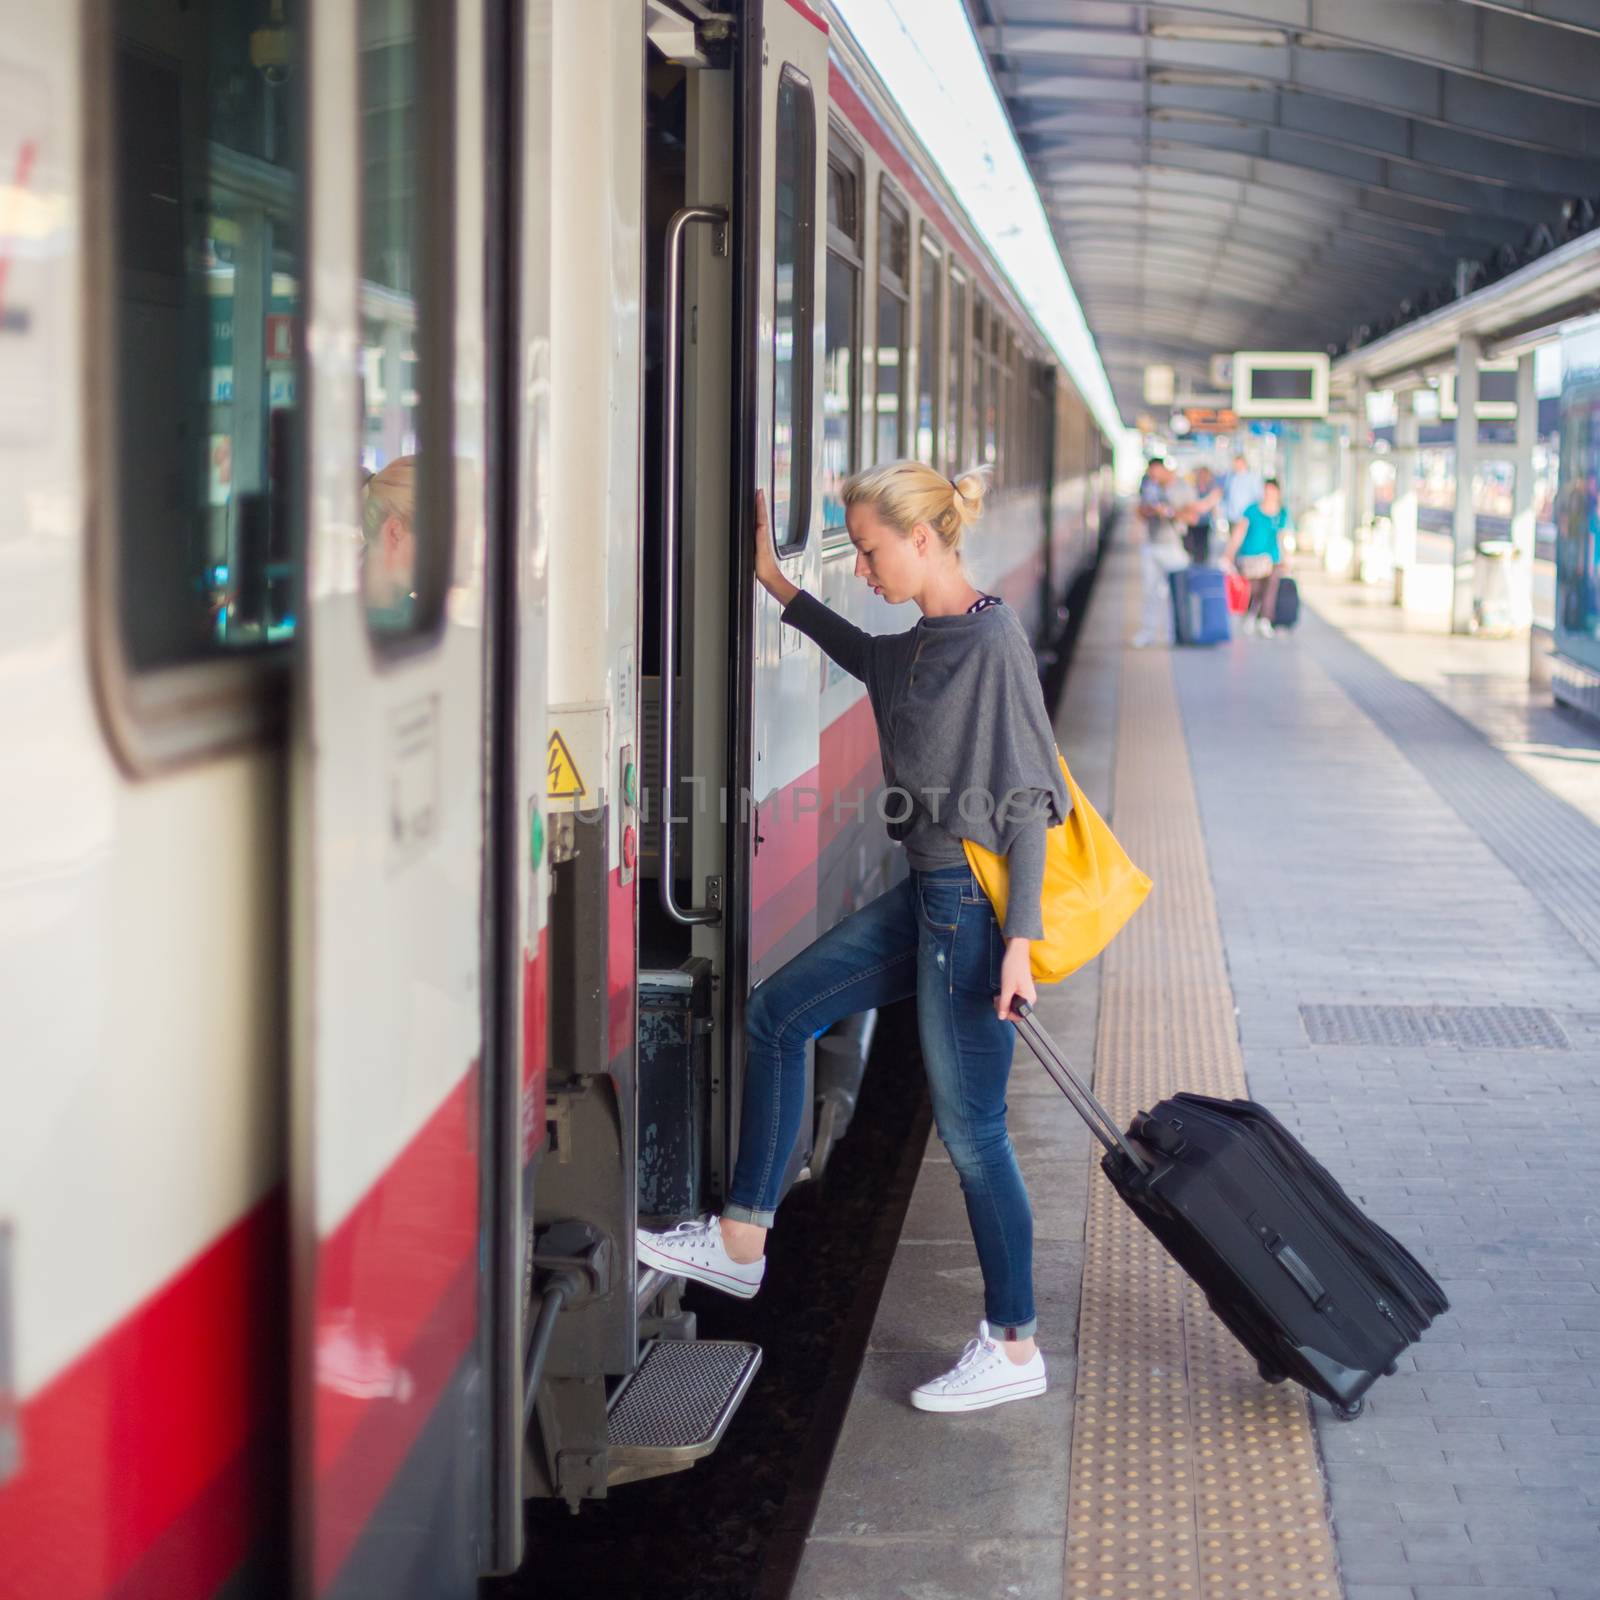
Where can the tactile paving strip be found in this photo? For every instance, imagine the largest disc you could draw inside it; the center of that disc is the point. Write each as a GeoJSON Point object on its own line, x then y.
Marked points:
{"type": "Point", "coordinates": [1425, 1027]}
{"type": "Point", "coordinates": [1190, 1477]}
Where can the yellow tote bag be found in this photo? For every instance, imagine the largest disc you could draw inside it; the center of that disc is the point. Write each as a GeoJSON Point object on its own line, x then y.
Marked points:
{"type": "Point", "coordinates": [1090, 888]}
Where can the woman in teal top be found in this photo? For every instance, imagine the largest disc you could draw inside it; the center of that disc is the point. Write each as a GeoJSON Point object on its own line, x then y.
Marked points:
{"type": "Point", "coordinates": [1255, 552]}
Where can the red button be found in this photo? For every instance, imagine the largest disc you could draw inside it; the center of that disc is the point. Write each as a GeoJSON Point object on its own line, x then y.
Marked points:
{"type": "Point", "coordinates": [629, 848]}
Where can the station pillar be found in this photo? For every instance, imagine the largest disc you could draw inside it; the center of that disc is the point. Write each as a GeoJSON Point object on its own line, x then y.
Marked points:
{"type": "Point", "coordinates": [1403, 512]}
{"type": "Point", "coordinates": [1468, 353]}
{"type": "Point", "coordinates": [1522, 514]}
{"type": "Point", "coordinates": [1358, 484]}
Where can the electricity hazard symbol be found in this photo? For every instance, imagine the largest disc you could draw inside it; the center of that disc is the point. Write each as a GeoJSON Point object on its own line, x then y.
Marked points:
{"type": "Point", "coordinates": [562, 781]}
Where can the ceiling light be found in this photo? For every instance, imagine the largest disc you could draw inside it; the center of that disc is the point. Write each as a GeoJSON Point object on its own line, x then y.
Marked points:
{"type": "Point", "coordinates": [1218, 33]}
{"type": "Point", "coordinates": [1192, 78]}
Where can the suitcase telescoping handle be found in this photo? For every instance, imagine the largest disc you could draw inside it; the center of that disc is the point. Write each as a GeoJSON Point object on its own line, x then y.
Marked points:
{"type": "Point", "coordinates": [1079, 1095]}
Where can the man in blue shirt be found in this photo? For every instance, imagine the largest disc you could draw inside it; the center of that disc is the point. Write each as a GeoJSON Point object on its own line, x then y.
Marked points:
{"type": "Point", "coordinates": [1257, 554]}
{"type": "Point", "coordinates": [1241, 489]}
{"type": "Point", "coordinates": [1163, 499]}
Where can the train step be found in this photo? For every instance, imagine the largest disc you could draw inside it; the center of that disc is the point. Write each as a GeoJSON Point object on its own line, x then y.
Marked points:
{"type": "Point", "coordinates": [676, 1407]}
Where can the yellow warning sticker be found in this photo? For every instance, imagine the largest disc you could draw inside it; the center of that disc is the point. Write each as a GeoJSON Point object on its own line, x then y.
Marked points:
{"type": "Point", "coordinates": [562, 781]}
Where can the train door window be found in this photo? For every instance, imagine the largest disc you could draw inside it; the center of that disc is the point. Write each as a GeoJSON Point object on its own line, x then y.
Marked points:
{"type": "Point", "coordinates": [795, 150]}
{"type": "Point", "coordinates": [975, 390]}
{"type": "Point", "coordinates": [894, 316]}
{"type": "Point", "coordinates": [991, 393]}
{"type": "Point", "coordinates": [841, 372]}
{"type": "Point", "coordinates": [929, 285]}
{"type": "Point", "coordinates": [955, 436]}
{"type": "Point", "coordinates": [405, 494]}
{"type": "Point", "coordinates": [206, 158]}
{"type": "Point", "coordinates": [1003, 425]}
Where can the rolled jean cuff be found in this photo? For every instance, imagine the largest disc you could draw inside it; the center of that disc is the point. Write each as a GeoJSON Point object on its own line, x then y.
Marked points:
{"type": "Point", "coordinates": [1010, 1332]}
{"type": "Point", "coordinates": [734, 1212]}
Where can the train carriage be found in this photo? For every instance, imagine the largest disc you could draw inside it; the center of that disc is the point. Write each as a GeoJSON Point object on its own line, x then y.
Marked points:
{"type": "Point", "coordinates": [409, 781]}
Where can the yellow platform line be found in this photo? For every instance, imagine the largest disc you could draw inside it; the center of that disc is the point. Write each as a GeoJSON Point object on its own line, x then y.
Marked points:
{"type": "Point", "coordinates": [1190, 1476]}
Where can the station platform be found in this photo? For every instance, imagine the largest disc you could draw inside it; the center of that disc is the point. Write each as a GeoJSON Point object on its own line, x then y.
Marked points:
{"type": "Point", "coordinates": [1353, 829]}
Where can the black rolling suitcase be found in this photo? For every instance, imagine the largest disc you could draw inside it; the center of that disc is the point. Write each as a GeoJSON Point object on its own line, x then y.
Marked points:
{"type": "Point", "coordinates": [1286, 607]}
{"type": "Point", "coordinates": [1311, 1287]}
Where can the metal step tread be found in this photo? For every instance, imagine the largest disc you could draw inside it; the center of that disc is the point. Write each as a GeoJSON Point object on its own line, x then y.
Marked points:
{"type": "Point", "coordinates": [676, 1406]}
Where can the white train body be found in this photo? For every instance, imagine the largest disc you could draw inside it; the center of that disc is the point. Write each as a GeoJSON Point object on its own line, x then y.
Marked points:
{"type": "Point", "coordinates": [334, 942]}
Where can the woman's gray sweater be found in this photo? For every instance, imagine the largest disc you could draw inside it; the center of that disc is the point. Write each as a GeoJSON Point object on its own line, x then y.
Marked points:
{"type": "Point", "coordinates": [959, 709]}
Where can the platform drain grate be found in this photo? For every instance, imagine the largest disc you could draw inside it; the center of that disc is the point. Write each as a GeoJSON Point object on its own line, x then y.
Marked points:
{"type": "Point", "coordinates": [1419, 1027]}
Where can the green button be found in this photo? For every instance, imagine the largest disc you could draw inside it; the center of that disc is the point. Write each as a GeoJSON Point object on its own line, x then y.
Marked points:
{"type": "Point", "coordinates": [628, 792]}
{"type": "Point", "coordinates": [536, 838]}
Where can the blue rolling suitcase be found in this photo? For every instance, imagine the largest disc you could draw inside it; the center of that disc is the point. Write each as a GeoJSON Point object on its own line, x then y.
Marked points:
{"type": "Point", "coordinates": [1286, 608]}
{"type": "Point", "coordinates": [1200, 606]}
{"type": "Point", "coordinates": [1309, 1285]}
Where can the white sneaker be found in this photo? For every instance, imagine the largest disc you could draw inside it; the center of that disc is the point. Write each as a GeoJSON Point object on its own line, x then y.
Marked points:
{"type": "Point", "coordinates": [1266, 627]}
{"type": "Point", "coordinates": [695, 1250]}
{"type": "Point", "coordinates": [1142, 640]}
{"type": "Point", "coordinates": [984, 1376]}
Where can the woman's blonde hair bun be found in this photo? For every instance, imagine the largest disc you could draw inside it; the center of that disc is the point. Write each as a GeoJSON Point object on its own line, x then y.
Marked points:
{"type": "Point", "coordinates": [904, 493]}
{"type": "Point", "coordinates": [970, 489]}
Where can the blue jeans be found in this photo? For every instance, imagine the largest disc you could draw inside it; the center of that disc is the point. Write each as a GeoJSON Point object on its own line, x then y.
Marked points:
{"type": "Point", "coordinates": [933, 935]}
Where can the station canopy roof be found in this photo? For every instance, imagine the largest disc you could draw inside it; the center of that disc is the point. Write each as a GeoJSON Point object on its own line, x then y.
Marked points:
{"type": "Point", "coordinates": [1294, 174]}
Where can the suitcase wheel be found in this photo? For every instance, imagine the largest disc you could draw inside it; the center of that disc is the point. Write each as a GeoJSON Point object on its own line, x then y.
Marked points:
{"type": "Point", "coordinates": [1350, 1412]}
{"type": "Point", "coordinates": [1269, 1373]}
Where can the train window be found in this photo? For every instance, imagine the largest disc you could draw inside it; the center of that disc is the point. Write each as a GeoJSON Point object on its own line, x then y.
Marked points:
{"type": "Point", "coordinates": [405, 523]}
{"type": "Point", "coordinates": [1008, 416]}
{"type": "Point", "coordinates": [976, 389]}
{"type": "Point", "coordinates": [792, 312]}
{"type": "Point", "coordinates": [205, 158]}
{"type": "Point", "coordinates": [841, 370]}
{"type": "Point", "coordinates": [928, 349]}
{"type": "Point", "coordinates": [894, 317]}
{"type": "Point", "coordinates": [991, 386]}
{"type": "Point", "coordinates": [955, 438]}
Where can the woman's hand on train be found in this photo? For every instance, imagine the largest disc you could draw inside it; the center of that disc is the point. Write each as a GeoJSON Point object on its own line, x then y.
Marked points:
{"type": "Point", "coordinates": [1016, 980]}
{"type": "Point", "coordinates": [768, 573]}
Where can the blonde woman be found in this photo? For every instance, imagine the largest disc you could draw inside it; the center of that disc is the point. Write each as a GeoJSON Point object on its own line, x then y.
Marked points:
{"type": "Point", "coordinates": [967, 752]}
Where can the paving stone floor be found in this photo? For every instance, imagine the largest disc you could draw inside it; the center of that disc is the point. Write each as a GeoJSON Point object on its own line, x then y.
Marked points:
{"type": "Point", "coordinates": [1346, 869]}
{"type": "Point", "coordinates": [1367, 847]}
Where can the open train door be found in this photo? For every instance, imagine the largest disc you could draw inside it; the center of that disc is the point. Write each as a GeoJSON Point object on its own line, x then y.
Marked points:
{"type": "Point", "coordinates": [780, 315]}
{"type": "Point", "coordinates": [392, 1390]}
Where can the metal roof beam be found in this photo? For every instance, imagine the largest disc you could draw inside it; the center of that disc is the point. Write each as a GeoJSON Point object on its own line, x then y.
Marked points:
{"type": "Point", "coordinates": [1578, 14]}
{"type": "Point", "coordinates": [1398, 210]}
{"type": "Point", "coordinates": [1267, 263]}
{"type": "Point", "coordinates": [1331, 258]}
{"type": "Point", "coordinates": [1486, 44]}
{"type": "Point", "coordinates": [1403, 138]}
{"type": "Point", "coordinates": [1335, 231]}
{"type": "Point", "coordinates": [1481, 202]}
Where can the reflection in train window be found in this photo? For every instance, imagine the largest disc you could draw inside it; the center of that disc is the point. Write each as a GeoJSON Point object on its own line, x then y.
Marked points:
{"type": "Point", "coordinates": [402, 559]}
{"type": "Point", "coordinates": [928, 349]}
{"type": "Point", "coordinates": [955, 441]}
{"type": "Point", "coordinates": [792, 313]}
{"type": "Point", "coordinates": [205, 144]}
{"type": "Point", "coordinates": [894, 296]}
{"type": "Point", "coordinates": [841, 364]}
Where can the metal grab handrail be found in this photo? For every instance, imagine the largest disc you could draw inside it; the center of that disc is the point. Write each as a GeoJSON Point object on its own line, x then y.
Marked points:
{"type": "Point", "coordinates": [672, 328]}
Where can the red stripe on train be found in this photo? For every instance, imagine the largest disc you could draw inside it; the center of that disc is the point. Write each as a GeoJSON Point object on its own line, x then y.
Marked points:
{"type": "Point", "coordinates": [805, 11]}
{"type": "Point", "coordinates": [851, 766]}
{"type": "Point", "coordinates": [383, 1273]}
{"type": "Point", "coordinates": [535, 1043]}
{"type": "Point", "coordinates": [146, 1464]}
{"type": "Point", "coordinates": [622, 958]}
